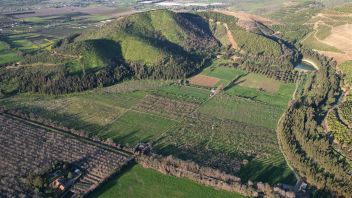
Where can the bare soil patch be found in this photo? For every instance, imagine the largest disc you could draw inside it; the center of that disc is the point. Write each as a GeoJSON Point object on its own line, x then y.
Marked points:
{"type": "Point", "coordinates": [113, 12]}
{"type": "Point", "coordinates": [247, 20]}
{"type": "Point", "coordinates": [231, 38]}
{"type": "Point", "coordinates": [340, 36]}
{"type": "Point", "coordinates": [203, 80]}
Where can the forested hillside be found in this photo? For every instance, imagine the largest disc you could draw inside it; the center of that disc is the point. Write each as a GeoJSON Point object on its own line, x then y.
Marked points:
{"type": "Point", "coordinates": [157, 44]}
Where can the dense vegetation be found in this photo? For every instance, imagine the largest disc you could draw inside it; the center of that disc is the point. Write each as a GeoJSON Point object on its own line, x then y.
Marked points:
{"type": "Point", "coordinates": [260, 50]}
{"type": "Point", "coordinates": [302, 138]}
{"type": "Point", "coordinates": [140, 45]}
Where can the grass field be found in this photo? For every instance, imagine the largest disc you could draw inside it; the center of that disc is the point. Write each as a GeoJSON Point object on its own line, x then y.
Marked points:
{"type": "Point", "coordinates": [140, 182]}
{"type": "Point", "coordinates": [34, 19]}
{"type": "Point", "coordinates": [226, 74]}
{"type": "Point", "coordinates": [3, 46]}
{"type": "Point", "coordinates": [134, 127]}
{"type": "Point", "coordinates": [9, 57]}
{"type": "Point", "coordinates": [243, 110]}
{"type": "Point", "coordinates": [186, 93]}
{"type": "Point", "coordinates": [233, 127]}
{"type": "Point", "coordinates": [279, 98]}
{"type": "Point", "coordinates": [90, 111]}
{"type": "Point", "coordinates": [259, 81]}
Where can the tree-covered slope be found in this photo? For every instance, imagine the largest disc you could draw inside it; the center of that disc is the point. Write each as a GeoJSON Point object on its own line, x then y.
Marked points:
{"type": "Point", "coordinates": [154, 44]}
{"type": "Point", "coordinates": [155, 37]}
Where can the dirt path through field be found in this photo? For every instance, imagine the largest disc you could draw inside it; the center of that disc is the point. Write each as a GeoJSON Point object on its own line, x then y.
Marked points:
{"type": "Point", "coordinates": [247, 20]}
{"type": "Point", "coordinates": [340, 38]}
{"type": "Point", "coordinates": [231, 38]}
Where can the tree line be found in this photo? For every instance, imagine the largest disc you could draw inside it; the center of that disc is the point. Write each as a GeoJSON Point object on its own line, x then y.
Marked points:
{"type": "Point", "coordinates": [302, 138]}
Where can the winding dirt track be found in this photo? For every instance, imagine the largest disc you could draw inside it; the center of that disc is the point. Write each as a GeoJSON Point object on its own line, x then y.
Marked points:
{"type": "Point", "coordinates": [340, 37]}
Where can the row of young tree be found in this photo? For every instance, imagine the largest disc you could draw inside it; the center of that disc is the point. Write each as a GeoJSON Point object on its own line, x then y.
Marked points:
{"type": "Point", "coordinates": [208, 176]}
{"type": "Point", "coordinates": [301, 136]}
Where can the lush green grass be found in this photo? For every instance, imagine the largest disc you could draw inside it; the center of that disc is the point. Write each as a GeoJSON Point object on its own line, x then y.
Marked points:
{"type": "Point", "coordinates": [90, 111]}
{"type": "Point", "coordinates": [224, 144]}
{"type": "Point", "coordinates": [140, 182]}
{"type": "Point", "coordinates": [243, 110]}
{"type": "Point", "coordinates": [226, 74]}
{"type": "Point", "coordinates": [191, 94]}
{"type": "Point", "coordinates": [9, 57]}
{"type": "Point", "coordinates": [133, 127]}
{"type": "Point", "coordinates": [279, 98]}
{"type": "Point", "coordinates": [3, 45]}
{"type": "Point", "coordinates": [256, 170]}
{"type": "Point", "coordinates": [34, 19]}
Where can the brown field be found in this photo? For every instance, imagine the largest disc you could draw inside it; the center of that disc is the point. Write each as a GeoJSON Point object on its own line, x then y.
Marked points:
{"type": "Point", "coordinates": [341, 38]}
{"type": "Point", "coordinates": [260, 82]}
{"type": "Point", "coordinates": [341, 33]}
{"type": "Point", "coordinates": [205, 81]}
{"type": "Point", "coordinates": [113, 12]}
{"type": "Point", "coordinates": [247, 20]}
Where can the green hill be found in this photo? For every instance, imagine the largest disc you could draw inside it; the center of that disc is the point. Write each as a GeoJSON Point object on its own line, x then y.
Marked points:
{"type": "Point", "coordinates": [158, 44]}
{"type": "Point", "coordinates": [160, 37]}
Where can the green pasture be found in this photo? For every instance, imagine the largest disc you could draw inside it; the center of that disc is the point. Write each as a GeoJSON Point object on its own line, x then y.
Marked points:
{"type": "Point", "coordinates": [243, 110]}
{"type": "Point", "coordinates": [133, 127]}
{"type": "Point", "coordinates": [140, 182]}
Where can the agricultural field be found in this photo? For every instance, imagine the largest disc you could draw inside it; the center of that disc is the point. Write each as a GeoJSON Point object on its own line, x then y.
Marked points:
{"type": "Point", "coordinates": [176, 118]}
{"type": "Point", "coordinates": [204, 81]}
{"type": "Point", "coordinates": [141, 182]}
{"type": "Point", "coordinates": [243, 110]}
{"type": "Point", "coordinates": [134, 127]}
{"type": "Point", "coordinates": [185, 93]}
{"type": "Point", "coordinates": [182, 120]}
{"type": "Point", "coordinates": [331, 33]}
{"type": "Point", "coordinates": [41, 149]}
{"type": "Point", "coordinates": [224, 74]}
